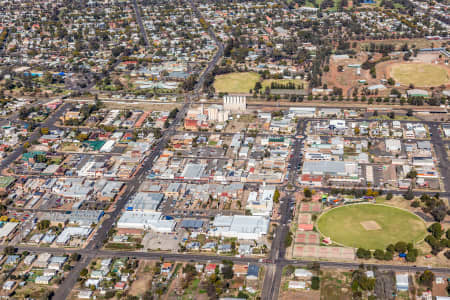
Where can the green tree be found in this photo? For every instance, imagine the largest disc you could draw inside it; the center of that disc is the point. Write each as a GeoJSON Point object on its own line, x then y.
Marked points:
{"type": "Point", "coordinates": [9, 250]}
{"type": "Point", "coordinates": [411, 256]}
{"type": "Point", "coordinates": [400, 247]}
{"type": "Point", "coordinates": [43, 225]}
{"type": "Point", "coordinates": [307, 192]}
{"type": "Point", "coordinates": [379, 254]}
{"type": "Point", "coordinates": [315, 283]}
{"type": "Point", "coordinates": [227, 272]}
{"type": "Point", "coordinates": [436, 230]}
{"type": "Point", "coordinates": [363, 253]}
{"type": "Point", "coordinates": [409, 195]}
{"type": "Point", "coordinates": [276, 196]}
{"type": "Point", "coordinates": [427, 278]}
{"type": "Point", "coordinates": [84, 272]}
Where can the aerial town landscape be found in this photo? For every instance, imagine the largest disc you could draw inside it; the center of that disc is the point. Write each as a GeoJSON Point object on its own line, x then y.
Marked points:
{"type": "Point", "coordinates": [216, 149]}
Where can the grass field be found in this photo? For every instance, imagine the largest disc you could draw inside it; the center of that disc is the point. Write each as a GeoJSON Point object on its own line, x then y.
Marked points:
{"type": "Point", "coordinates": [236, 82]}
{"type": "Point", "coordinates": [268, 82]}
{"type": "Point", "coordinates": [344, 225]}
{"type": "Point", "coordinates": [419, 74]}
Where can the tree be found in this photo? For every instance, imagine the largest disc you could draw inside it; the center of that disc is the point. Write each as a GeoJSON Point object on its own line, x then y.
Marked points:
{"type": "Point", "coordinates": [388, 255]}
{"type": "Point", "coordinates": [379, 254]}
{"type": "Point", "coordinates": [436, 230]}
{"type": "Point", "coordinates": [289, 270]}
{"type": "Point", "coordinates": [227, 272]}
{"type": "Point", "coordinates": [363, 253]}
{"type": "Point", "coordinates": [75, 257]}
{"type": "Point", "coordinates": [390, 248]}
{"type": "Point", "coordinates": [411, 256]}
{"type": "Point", "coordinates": [415, 203]}
{"type": "Point", "coordinates": [315, 283]}
{"type": "Point", "coordinates": [400, 247]}
{"type": "Point", "coordinates": [9, 250]}
{"type": "Point", "coordinates": [434, 243]}
{"type": "Point", "coordinates": [439, 212]}
{"type": "Point", "coordinates": [258, 86]}
{"type": "Point", "coordinates": [276, 196]}
{"type": "Point", "coordinates": [412, 174]}
{"type": "Point", "coordinates": [307, 192]}
{"type": "Point", "coordinates": [173, 113]}
{"type": "Point", "coordinates": [44, 224]}
{"type": "Point", "coordinates": [84, 272]}
{"type": "Point", "coordinates": [288, 240]}
{"type": "Point", "coordinates": [427, 278]}
{"type": "Point", "coordinates": [409, 195]}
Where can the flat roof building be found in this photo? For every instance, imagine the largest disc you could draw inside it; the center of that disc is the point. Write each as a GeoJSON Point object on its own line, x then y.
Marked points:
{"type": "Point", "coordinates": [241, 227]}
{"type": "Point", "coordinates": [145, 202]}
{"type": "Point", "coordinates": [146, 220]}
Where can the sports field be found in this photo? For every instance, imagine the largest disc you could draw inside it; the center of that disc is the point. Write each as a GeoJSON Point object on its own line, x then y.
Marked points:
{"type": "Point", "coordinates": [420, 74]}
{"type": "Point", "coordinates": [236, 82]}
{"type": "Point", "coordinates": [371, 226]}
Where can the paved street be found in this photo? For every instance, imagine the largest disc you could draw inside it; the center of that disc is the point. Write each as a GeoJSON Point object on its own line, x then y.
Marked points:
{"type": "Point", "coordinates": [276, 260]}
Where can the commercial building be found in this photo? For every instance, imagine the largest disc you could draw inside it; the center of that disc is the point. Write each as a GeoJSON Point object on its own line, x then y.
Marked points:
{"type": "Point", "coordinates": [7, 229]}
{"type": "Point", "coordinates": [261, 204]}
{"type": "Point", "coordinates": [332, 168]}
{"type": "Point", "coordinates": [402, 283]}
{"type": "Point", "coordinates": [235, 103]}
{"type": "Point", "coordinates": [70, 232]}
{"type": "Point", "coordinates": [145, 202]}
{"type": "Point", "coordinates": [146, 220]}
{"type": "Point", "coordinates": [393, 145]}
{"type": "Point", "coordinates": [241, 227]}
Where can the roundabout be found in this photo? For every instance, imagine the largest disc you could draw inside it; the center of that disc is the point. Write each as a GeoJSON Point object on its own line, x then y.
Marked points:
{"type": "Point", "coordinates": [370, 226]}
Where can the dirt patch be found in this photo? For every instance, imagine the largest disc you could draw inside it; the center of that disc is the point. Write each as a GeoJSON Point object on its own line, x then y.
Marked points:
{"type": "Point", "coordinates": [300, 295]}
{"type": "Point", "coordinates": [370, 225]}
{"type": "Point", "coordinates": [143, 279]}
{"type": "Point", "coordinates": [335, 286]}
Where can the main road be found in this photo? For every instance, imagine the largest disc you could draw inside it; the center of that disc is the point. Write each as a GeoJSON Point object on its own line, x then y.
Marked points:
{"type": "Point", "coordinates": [92, 248]}
{"type": "Point", "coordinates": [141, 25]}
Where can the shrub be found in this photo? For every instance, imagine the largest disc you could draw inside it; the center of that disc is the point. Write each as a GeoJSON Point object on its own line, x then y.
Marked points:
{"type": "Point", "coordinates": [315, 283]}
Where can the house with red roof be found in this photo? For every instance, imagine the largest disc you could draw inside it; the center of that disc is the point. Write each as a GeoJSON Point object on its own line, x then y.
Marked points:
{"type": "Point", "coordinates": [190, 124]}
{"type": "Point", "coordinates": [311, 180]}
{"type": "Point", "coordinates": [210, 268]}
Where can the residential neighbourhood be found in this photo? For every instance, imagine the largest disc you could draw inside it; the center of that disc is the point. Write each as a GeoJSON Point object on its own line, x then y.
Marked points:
{"type": "Point", "coordinates": [224, 150]}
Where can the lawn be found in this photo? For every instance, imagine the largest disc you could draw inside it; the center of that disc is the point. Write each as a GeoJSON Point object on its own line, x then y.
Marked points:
{"type": "Point", "coordinates": [371, 226]}
{"type": "Point", "coordinates": [420, 74]}
{"type": "Point", "coordinates": [297, 82]}
{"type": "Point", "coordinates": [236, 82]}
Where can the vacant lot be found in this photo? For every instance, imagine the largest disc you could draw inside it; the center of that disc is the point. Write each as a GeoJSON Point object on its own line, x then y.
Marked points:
{"type": "Point", "coordinates": [143, 279]}
{"type": "Point", "coordinates": [236, 82]}
{"type": "Point", "coordinates": [421, 75]}
{"type": "Point", "coordinates": [335, 285]}
{"type": "Point", "coordinates": [344, 226]}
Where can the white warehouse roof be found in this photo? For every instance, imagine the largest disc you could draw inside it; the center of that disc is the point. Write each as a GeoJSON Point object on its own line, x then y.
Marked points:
{"type": "Point", "coordinates": [241, 227]}
{"type": "Point", "coordinates": [145, 220]}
